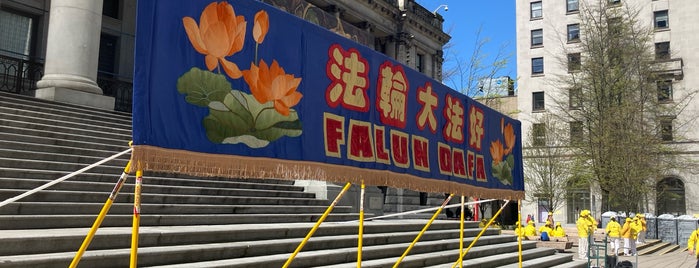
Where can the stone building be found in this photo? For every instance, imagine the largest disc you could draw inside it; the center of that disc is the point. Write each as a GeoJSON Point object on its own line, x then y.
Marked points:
{"type": "Point", "coordinates": [548, 33]}
{"type": "Point", "coordinates": [81, 52]}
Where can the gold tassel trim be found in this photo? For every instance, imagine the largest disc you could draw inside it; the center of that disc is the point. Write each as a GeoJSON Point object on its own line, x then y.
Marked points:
{"type": "Point", "coordinates": [156, 159]}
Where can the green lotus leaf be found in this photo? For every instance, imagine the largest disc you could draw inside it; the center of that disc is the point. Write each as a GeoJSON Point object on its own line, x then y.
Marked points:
{"type": "Point", "coordinates": [203, 87]}
{"type": "Point", "coordinates": [270, 117]}
{"type": "Point", "coordinates": [220, 125]}
{"type": "Point", "coordinates": [238, 106]}
{"type": "Point", "coordinates": [510, 161]}
{"type": "Point", "coordinates": [250, 141]}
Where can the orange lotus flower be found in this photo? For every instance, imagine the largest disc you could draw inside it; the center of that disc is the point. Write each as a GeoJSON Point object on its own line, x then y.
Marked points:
{"type": "Point", "coordinates": [273, 84]}
{"type": "Point", "coordinates": [219, 34]}
{"type": "Point", "coordinates": [259, 30]}
{"type": "Point", "coordinates": [496, 151]}
{"type": "Point", "coordinates": [509, 138]}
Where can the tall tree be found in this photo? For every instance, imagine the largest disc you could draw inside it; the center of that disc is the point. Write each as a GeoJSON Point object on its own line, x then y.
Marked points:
{"type": "Point", "coordinates": [613, 93]}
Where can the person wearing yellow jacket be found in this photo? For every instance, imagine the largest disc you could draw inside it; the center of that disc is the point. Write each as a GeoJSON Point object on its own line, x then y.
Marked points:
{"type": "Point", "coordinates": [585, 228]}
{"type": "Point", "coordinates": [636, 229]}
{"type": "Point", "coordinates": [530, 230]}
{"type": "Point", "coordinates": [558, 231]}
{"type": "Point", "coordinates": [642, 234]}
{"type": "Point", "coordinates": [613, 230]}
{"type": "Point", "coordinates": [629, 233]}
{"type": "Point", "coordinates": [519, 231]}
{"type": "Point", "coordinates": [547, 228]}
{"type": "Point", "coordinates": [693, 244]}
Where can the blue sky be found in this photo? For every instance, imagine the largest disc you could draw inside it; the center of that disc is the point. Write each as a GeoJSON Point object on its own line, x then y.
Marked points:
{"type": "Point", "coordinates": [497, 19]}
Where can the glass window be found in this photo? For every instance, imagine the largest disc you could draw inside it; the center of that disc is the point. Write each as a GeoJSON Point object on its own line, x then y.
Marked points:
{"type": "Point", "coordinates": [614, 2]}
{"type": "Point", "coordinates": [575, 98]}
{"type": "Point", "coordinates": [661, 19]}
{"type": "Point", "coordinates": [662, 51]}
{"type": "Point", "coordinates": [666, 129]}
{"type": "Point", "coordinates": [538, 101]}
{"type": "Point", "coordinates": [537, 65]}
{"type": "Point", "coordinates": [664, 90]}
{"type": "Point", "coordinates": [572, 5]}
{"type": "Point", "coordinates": [110, 8]}
{"type": "Point", "coordinates": [574, 62]}
{"type": "Point", "coordinates": [420, 63]}
{"type": "Point", "coordinates": [536, 11]}
{"type": "Point", "coordinates": [15, 35]}
{"type": "Point", "coordinates": [576, 132]}
{"type": "Point", "coordinates": [537, 37]}
{"type": "Point", "coordinates": [573, 32]}
{"type": "Point", "coordinates": [539, 134]}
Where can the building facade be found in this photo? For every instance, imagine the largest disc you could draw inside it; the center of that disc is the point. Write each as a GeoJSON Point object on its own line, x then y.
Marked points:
{"type": "Point", "coordinates": [81, 52]}
{"type": "Point", "coordinates": [548, 35]}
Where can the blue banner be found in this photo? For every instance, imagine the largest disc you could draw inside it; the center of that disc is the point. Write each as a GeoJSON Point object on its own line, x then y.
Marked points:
{"type": "Point", "coordinates": [242, 89]}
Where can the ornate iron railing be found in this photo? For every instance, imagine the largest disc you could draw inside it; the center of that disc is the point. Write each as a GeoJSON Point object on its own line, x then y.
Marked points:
{"type": "Point", "coordinates": [19, 75]}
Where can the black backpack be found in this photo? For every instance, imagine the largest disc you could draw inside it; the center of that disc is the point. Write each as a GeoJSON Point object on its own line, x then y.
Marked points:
{"type": "Point", "coordinates": [624, 264]}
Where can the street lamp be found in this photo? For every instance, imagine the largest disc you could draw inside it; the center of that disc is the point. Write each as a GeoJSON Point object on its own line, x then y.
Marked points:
{"type": "Point", "coordinates": [446, 8]}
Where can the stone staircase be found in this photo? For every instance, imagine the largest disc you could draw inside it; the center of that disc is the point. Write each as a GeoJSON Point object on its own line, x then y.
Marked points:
{"type": "Point", "coordinates": [188, 221]}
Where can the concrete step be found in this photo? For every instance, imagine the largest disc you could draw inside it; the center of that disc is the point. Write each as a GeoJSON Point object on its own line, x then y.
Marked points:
{"type": "Point", "coordinates": [106, 188]}
{"type": "Point", "coordinates": [154, 198]}
{"type": "Point", "coordinates": [97, 182]}
{"type": "Point", "coordinates": [25, 102]}
{"type": "Point", "coordinates": [69, 149]}
{"type": "Point", "coordinates": [31, 122]}
{"type": "Point", "coordinates": [669, 249]}
{"type": "Point", "coordinates": [377, 255]}
{"type": "Point", "coordinates": [545, 262]}
{"type": "Point", "coordinates": [652, 247]}
{"type": "Point", "coordinates": [72, 142]}
{"type": "Point", "coordinates": [28, 135]}
{"type": "Point", "coordinates": [32, 112]}
{"type": "Point", "coordinates": [344, 235]}
{"type": "Point", "coordinates": [572, 264]}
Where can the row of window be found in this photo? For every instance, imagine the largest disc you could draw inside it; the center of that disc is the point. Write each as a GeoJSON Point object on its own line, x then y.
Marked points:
{"type": "Point", "coordinates": [664, 91]}
{"type": "Point", "coordinates": [576, 132]}
{"type": "Point", "coordinates": [662, 52]}
{"type": "Point", "coordinates": [660, 18]}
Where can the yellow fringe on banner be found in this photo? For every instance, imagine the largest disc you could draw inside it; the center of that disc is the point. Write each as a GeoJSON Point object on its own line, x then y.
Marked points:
{"type": "Point", "coordinates": [156, 159]}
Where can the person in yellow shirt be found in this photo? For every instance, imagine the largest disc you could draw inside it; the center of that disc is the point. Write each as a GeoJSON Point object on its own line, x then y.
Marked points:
{"type": "Point", "coordinates": [519, 231]}
{"type": "Point", "coordinates": [627, 235]}
{"type": "Point", "coordinates": [693, 244]}
{"type": "Point", "coordinates": [585, 228]}
{"type": "Point", "coordinates": [636, 228]}
{"type": "Point", "coordinates": [613, 230]}
{"type": "Point", "coordinates": [642, 235]}
{"type": "Point", "coordinates": [547, 228]}
{"type": "Point", "coordinates": [530, 230]}
{"type": "Point", "coordinates": [558, 231]}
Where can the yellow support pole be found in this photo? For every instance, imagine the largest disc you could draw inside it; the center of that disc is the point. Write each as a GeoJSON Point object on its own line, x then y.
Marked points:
{"type": "Point", "coordinates": [461, 233]}
{"type": "Point", "coordinates": [419, 235]}
{"type": "Point", "coordinates": [100, 217]}
{"type": "Point", "coordinates": [361, 226]}
{"type": "Point", "coordinates": [519, 238]}
{"type": "Point", "coordinates": [480, 234]}
{"type": "Point", "coordinates": [136, 219]}
{"type": "Point", "coordinates": [315, 227]}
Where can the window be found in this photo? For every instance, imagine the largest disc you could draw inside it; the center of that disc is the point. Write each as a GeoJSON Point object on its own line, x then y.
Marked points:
{"type": "Point", "coordinates": [666, 129]}
{"type": "Point", "coordinates": [664, 90]}
{"type": "Point", "coordinates": [573, 32]}
{"type": "Point", "coordinates": [572, 5]}
{"type": "Point", "coordinates": [420, 63]}
{"type": "Point", "coordinates": [538, 101]}
{"type": "Point", "coordinates": [106, 63]}
{"type": "Point", "coordinates": [539, 134]}
{"type": "Point", "coordinates": [576, 132]}
{"type": "Point", "coordinates": [537, 37]}
{"type": "Point", "coordinates": [110, 8]}
{"type": "Point", "coordinates": [614, 2]}
{"type": "Point", "coordinates": [575, 98]}
{"type": "Point", "coordinates": [537, 65]}
{"type": "Point", "coordinates": [574, 63]}
{"type": "Point", "coordinates": [661, 19]}
{"type": "Point", "coordinates": [662, 51]}
{"type": "Point", "coordinates": [536, 11]}
{"type": "Point", "coordinates": [614, 26]}
{"type": "Point", "coordinates": [16, 34]}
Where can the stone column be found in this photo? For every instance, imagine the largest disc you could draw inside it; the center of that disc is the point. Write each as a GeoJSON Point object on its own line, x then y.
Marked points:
{"type": "Point", "coordinates": [72, 53]}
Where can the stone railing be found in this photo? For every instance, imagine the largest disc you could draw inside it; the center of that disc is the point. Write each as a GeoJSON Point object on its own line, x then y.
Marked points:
{"type": "Point", "coordinates": [426, 16]}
